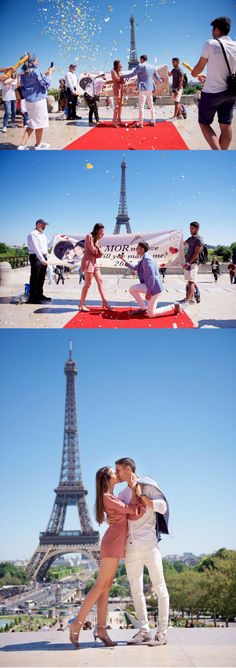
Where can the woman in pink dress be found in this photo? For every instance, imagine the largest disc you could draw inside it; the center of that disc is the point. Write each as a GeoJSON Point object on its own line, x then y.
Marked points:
{"type": "Point", "coordinates": [118, 84]}
{"type": "Point", "coordinates": [111, 551]}
{"type": "Point", "coordinates": [89, 268]}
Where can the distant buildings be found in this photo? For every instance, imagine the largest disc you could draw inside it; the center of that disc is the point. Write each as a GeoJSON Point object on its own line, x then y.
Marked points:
{"type": "Point", "coordinates": [187, 558]}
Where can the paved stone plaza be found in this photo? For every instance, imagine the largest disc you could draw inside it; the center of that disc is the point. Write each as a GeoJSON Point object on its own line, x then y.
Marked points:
{"type": "Point", "coordinates": [61, 133]}
{"type": "Point", "coordinates": [217, 307]}
{"type": "Point", "coordinates": [186, 647]}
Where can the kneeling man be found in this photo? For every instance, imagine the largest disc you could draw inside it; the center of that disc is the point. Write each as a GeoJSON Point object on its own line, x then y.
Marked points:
{"type": "Point", "coordinates": [150, 284]}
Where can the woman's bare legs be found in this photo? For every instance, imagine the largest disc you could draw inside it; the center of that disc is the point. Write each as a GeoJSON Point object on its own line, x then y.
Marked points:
{"type": "Point", "coordinates": [120, 105]}
{"type": "Point", "coordinates": [105, 578]}
{"type": "Point", "coordinates": [102, 605]}
{"type": "Point", "coordinates": [98, 279]}
{"type": "Point", "coordinates": [117, 110]}
{"type": "Point", "coordinates": [88, 280]}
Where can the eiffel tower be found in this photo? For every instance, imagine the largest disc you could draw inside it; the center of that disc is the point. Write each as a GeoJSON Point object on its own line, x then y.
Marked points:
{"type": "Point", "coordinates": [122, 218]}
{"type": "Point", "coordinates": [70, 492]}
{"type": "Point", "coordinates": [133, 59]}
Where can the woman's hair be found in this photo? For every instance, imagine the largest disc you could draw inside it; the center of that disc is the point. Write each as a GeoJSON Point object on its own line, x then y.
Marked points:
{"type": "Point", "coordinates": [95, 231]}
{"type": "Point", "coordinates": [102, 480]}
{"type": "Point", "coordinates": [116, 65]}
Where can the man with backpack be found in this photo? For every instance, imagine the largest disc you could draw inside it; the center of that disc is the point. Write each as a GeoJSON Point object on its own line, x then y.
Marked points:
{"type": "Point", "coordinates": [219, 90]}
{"type": "Point", "coordinates": [196, 254]}
{"type": "Point", "coordinates": [177, 88]}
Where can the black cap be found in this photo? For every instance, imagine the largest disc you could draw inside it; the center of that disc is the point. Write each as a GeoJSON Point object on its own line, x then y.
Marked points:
{"type": "Point", "coordinates": [40, 220]}
{"type": "Point", "coordinates": [223, 23]}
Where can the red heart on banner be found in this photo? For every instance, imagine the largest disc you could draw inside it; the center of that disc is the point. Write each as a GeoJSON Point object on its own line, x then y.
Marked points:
{"type": "Point", "coordinates": [173, 251]}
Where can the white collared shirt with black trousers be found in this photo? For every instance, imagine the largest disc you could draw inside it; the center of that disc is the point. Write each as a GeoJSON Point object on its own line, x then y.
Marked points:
{"type": "Point", "coordinates": [38, 252]}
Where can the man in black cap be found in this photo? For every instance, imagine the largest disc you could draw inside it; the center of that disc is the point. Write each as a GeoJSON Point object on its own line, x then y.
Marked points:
{"type": "Point", "coordinates": [38, 252]}
{"type": "Point", "coordinates": [215, 97]}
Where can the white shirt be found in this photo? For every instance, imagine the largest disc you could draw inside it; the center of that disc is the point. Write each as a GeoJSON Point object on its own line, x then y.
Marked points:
{"type": "Point", "coordinates": [143, 530]}
{"type": "Point", "coordinates": [8, 90]}
{"type": "Point", "coordinates": [71, 81]}
{"type": "Point", "coordinates": [95, 87]}
{"type": "Point", "coordinates": [217, 70]}
{"type": "Point", "coordinates": [37, 243]}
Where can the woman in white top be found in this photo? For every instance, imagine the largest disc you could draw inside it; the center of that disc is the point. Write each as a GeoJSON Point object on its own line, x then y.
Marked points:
{"type": "Point", "coordinates": [9, 101]}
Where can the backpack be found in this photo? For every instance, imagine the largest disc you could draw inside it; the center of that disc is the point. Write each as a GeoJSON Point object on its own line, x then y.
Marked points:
{"type": "Point", "coordinates": [203, 255]}
{"type": "Point", "coordinates": [185, 81]}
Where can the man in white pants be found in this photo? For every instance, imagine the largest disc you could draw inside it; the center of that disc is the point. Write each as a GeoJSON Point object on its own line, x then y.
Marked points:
{"type": "Point", "coordinates": [146, 74]}
{"type": "Point", "coordinates": [142, 550]}
{"type": "Point", "coordinates": [150, 284]}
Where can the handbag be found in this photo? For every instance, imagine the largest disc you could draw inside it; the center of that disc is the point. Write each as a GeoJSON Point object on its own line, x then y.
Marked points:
{"type": "Point", "coordinates": [231, 79]}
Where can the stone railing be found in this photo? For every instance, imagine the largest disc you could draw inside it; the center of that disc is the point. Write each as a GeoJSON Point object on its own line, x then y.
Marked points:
{"type": "Point", "coordinates": [16, 261]}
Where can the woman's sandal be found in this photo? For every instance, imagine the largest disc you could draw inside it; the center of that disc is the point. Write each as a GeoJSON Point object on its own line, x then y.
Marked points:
{"type": "Point", "coordinates": [75, 634]}
{"type": "Point", "coordinates": [105, 638]}
{"type": "Point", "coordinates": [106, 306]}
{"type": "Point", "coordinates": [83, 309]}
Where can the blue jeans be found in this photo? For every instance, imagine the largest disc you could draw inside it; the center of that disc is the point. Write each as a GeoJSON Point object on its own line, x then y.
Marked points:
{"type": "Point", "coordinates": [9, 108]}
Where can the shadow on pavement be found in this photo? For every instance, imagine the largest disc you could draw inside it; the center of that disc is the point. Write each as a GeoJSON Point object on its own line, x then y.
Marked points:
{"type": "Point", "coordinates": [8, 146]}
{"type": "Point", "coordinates": [231, 324]}
{"type": "Point", "coordinates": [47, 646]}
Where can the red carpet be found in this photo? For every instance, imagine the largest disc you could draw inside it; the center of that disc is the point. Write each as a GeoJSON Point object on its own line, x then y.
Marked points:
{"type": "Point", "coordinates": [164, 136]}
{"type": "Point", "coordinates": [119, 318]}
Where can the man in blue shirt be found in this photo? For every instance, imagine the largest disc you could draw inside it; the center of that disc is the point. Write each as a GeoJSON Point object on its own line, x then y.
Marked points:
{"type": "Point", "coordinates": [146, 74]}
{"type": "Point", "coordinates": [150, 284]}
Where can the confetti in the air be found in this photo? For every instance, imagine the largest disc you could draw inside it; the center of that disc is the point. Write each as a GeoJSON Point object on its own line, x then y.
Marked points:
{"type": "Point", "coordinates": [89, 165]}
{"type": "Point", "coordinates": [81, 29]}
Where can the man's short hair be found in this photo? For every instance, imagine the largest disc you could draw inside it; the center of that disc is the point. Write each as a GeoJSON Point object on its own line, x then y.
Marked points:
{"type": "Point", "coordinates": [195, 224]}
{"type": "Point", "coordinates": [72, 65]}
{"type": "Point", "coordinates": [177, 59]}
{"type": "Point", "coordinates": [144, 245]}
{"type": "Point", "coordinates": [223, 23]}
{"type": "Point", "coordinates": [144, 57]}
{"type": "Point", "coordinates": [127, 461]}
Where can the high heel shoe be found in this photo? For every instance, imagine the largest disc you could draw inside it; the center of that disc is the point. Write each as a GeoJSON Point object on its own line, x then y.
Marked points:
{"type": "Point", "coordinates": [83, 308]}
{"type": "Point", "coordinates": [104, 638]}
{"type": "Point", "coordinates": [75, 634]}
{"type": "Point", "coordinates": [107, 306]}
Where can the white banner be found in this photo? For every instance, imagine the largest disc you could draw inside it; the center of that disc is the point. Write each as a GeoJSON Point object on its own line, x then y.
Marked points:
{"type": "Point", "coordinates": [166, 248]}
{"type": "Point", "coordinates": [130, 86]}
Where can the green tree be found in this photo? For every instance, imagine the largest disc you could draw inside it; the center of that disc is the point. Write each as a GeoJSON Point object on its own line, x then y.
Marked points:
{"type": "Point", "coordinates": [4, 248]}
{"type": "Point", "coordinates": [11, 574]}
{"type": "Point", "coordinates": [224, 252]}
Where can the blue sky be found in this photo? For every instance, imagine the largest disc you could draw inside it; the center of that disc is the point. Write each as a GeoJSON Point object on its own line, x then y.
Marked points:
{"type": "Point", "coordinates": [93, 33]}
{"type": "Point", "coordinates": [166, 190]}
{"type": "Point", "coordinates": [168, 403]}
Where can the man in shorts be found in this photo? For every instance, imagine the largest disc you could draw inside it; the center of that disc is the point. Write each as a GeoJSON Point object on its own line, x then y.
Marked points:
{"type": "Point", "coordinates": [195, 244]}
{"type": "Point", "coordinates": [177, 87]}
{"type": "Point", "coordinates": [215, 97]}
